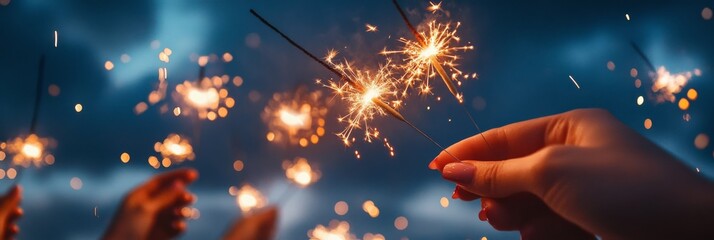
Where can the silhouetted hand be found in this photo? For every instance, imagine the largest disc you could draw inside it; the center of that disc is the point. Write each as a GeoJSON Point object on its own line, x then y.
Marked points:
{"type": "Point", "coordinates": [10, 211]}
{"type": "Point", "coordinates": [572, 175]}
{"type": "Point", "coordinates": [153, 210]}
{"type": "Point", "coordinates": [259, 226]}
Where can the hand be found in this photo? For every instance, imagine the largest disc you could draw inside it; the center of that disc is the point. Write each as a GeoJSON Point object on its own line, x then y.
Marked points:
{"type": "Point", "coordinates": [153, 210]}
{"type": "Point", "coordinates": [10, 211]}
{"type": "Point", "coordinates": [582, 172]}
{"type": "Point", "coordinates": [259, 226]}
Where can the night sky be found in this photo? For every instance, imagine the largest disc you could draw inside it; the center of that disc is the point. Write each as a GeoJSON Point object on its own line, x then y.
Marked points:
{"type": "Point", "coordinates": [525, 53]}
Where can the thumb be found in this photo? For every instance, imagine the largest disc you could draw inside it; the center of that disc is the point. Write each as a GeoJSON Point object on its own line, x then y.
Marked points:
{"type": "Point", "coordinates": [493, 179]}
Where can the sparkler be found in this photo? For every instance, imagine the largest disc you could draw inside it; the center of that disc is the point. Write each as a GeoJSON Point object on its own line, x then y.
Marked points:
{"type": "Point", "coordinates": [249, 199]}
{"type": "Point", "coordinates": [665, 84]}
{"type": "Point", "coordinates": [300, 172]}
{"type": "Point", "coordinates": [174, 149]}
{"type": "Point", "coordinates": [425, 54]}
{"type": "Point", "coordinates": [208, 97]}
{"type": "Point", "coordinates": [33, 150]}
{"type": "Point", "coordinates": [295, 117]}
{"type": "Point", "coordinates": [367, 93]}
{"type": "Point", "coordinates": [336, 230]}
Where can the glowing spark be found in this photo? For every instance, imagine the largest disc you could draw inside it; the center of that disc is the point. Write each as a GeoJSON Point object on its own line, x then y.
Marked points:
{"type": "Point", "coordinates": [365, 101]}
{"type": "Point", "coordinates": [428, 55]}
{"type": "Point", "coordinates": [627, 16]}
{"type": "Point", "coordinates": [434, 7]}
{"type": "Point", "coordinates": [574, 82]}
{"type": "Point", "coordinates": [30, 150]}
{"type": "Point", "coordinates": [336, 230]}
{"type": "Point", "coordinates": [292, 116]}
{"type": "Point", "coordinates": [249, 199]}
{"type": "Point", "coordinates": [300, 172]}
{"type": "Point", "coordinates": [371, 28]}
{"type": "Point", "coordinates": [55, 38]}
{"type": "Point", "coordinates": [174, 149]}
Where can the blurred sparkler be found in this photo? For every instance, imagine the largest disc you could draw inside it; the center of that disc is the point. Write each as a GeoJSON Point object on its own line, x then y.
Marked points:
{"type": "Point", "coordinates": [300, 172]}
{"type": "Point", "coordinates": [174, 149]}
{"type": "Point", "coordinates": [369, 94]}
{"type": "Point", "coordinates": [208, 97]}
{"type": "Point", "coordinates": [32, 150]}
{"type": "Point", "coordinates": [665, 85]}
{"type": "Point", "coordinates": [336, 230]}
{"type": "Point", "coordinates": [295, 117]}
{"type": "Point", "coordinates": [249, 199]}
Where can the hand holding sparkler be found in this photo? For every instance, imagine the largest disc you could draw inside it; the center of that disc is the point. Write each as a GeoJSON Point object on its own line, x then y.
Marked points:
{"type": "Point", "coordinates": [10, 212]}
{"type": "Point", "coordinates": [153, 210]}
{"type": "Point", "coordinates": [572, 175]}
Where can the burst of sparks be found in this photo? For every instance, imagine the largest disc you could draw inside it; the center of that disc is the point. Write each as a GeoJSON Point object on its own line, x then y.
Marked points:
{"type": "Point", "coordinates": [424, 58]}
{"type": "Point", "coordinates": [300, 172]}
{"type": "Point", "coordinates": [208, 97]}
{"type": "Point", "coordinates": [174, 149]}
{"type": "Point", "coordinates": [249, 199]}
{"type": "Point", "coordinates": [434, 7]}
{"type": "Point", "coordinates": [667, 85]}
{"type": "Point", "coordinates": [31, 150]}
{"type": "Point", "coordinates": [370, 28]}
{"type": "Point", "coordinates": [336, 230]}
{"type": "Point", "coordinates": [374, 86]}
{"type": "Point", "coordinates": [296, 117]}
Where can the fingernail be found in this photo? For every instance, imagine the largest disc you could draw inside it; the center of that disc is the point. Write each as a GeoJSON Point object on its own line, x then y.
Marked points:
{"type": "Point", "coordinates": [482, 215]}
{"type": "Point", "coordinates": [432, 165]}
{"type": "Point", "coordinates": [459, 172]}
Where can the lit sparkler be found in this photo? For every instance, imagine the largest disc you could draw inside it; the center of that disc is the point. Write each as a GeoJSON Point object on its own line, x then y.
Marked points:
{"type": "Point", "coordinates": [208, 97]}
{"type": "Point", "coordinates": [30, 150]}
{"type": "Point", "coordinates": [336, 230]}
{"type": "Point", "coordinates": [300, 172]}
{"type": "Point", "coordinates": [368, 93]}
{"type": "Point", "coordinates": [249, 199]}
{"type": "Point", "coordinates": [379, 85]}
{"type": "Point", "coordinates": [423, 58]}
{"type": "Point", "coordinates": [427, 56]}
{"type": "Point", "coordinates": [666, 85]}
{"type": "Point", "coordinates": [174, 149]}
{"type": "Point", "coordinates": [295, 117]}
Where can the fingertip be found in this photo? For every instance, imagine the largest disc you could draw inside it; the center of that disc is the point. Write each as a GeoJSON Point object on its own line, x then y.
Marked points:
{"type": "Point", "coordinates": [19, 212]}
{"type": "Point", "coordinates": [14, 229]}
{"type": "Point", "coordinates": [188, 197]}
{"type": "Point", "coordinates": [191, 175]}
{"type": "Point", "coordinates": [179, 225]}
{"type": "Point", "coordinates": [432, 165]}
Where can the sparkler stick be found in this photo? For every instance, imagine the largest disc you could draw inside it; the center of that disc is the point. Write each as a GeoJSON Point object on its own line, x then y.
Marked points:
{"type": "Point", "coordinates": [439, 69]}
{"type": "Point", "coordinates": [391, 111]}
{"type": "Point", "coordinates": [38, 93]}
{"type": "Point", "coordinates": [643, 56]}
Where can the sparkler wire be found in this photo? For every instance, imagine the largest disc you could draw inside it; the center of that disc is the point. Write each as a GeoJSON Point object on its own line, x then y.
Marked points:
{"type": "Point", "coordinates": [378, 102]}
{"type": "Point", "coordinates": [38, 93]}
{"type": "Point", "coordinates": [644, 57]}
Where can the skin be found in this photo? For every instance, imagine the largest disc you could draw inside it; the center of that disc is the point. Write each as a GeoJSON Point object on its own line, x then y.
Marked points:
{"type": "Point", "coordinates": [153, 210]}
{"type": "Point", "coordinates": [10, 212]}
{"type": "Point", "coordinates": [577, 175]}
{"type": "Point", "coordinates": [258, 226]}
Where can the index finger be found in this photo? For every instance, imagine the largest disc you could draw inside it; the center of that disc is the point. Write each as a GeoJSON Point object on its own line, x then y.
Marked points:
{"type": "Point", "coordinates": [510, 141]}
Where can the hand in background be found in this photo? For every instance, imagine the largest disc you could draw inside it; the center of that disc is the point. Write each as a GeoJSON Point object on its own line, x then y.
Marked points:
{"type": "Point", "coordinates": [259, 226]}
{"type": "Point", "coordinates": [10, 211]}
{"type": "Point", "coordinates": [576, 174]}
{"type": "Point", "coordinates": [153, 210]}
